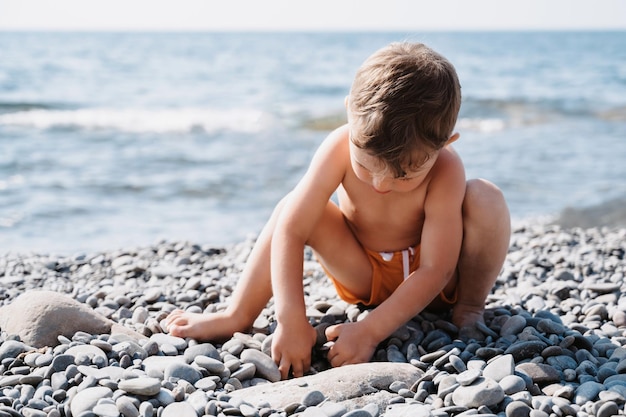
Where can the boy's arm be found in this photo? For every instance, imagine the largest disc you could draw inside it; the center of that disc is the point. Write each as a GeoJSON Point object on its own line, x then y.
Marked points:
{"type": "Point", "coordinates": [294, 337]}
{"type": "Point", "coordinates": [440, 246]}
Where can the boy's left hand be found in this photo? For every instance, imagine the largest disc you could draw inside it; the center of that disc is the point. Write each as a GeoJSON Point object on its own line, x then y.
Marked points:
{"type": "Point", "coordinates": [352, 344]}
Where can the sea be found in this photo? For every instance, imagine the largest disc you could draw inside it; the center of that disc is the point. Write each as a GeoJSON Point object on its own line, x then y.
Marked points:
{"type": "Point", "coordinates": [119, 140]}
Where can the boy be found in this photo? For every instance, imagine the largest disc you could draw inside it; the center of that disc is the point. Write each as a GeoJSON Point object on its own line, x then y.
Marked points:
{"type": "Point", "coordinates": [409, 232]}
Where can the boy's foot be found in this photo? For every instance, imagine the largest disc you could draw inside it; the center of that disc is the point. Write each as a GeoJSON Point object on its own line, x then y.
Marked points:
{"type": "Point", "coordinates": [199, 326]}
{"type": "Point", "coordinates": [464, 315]}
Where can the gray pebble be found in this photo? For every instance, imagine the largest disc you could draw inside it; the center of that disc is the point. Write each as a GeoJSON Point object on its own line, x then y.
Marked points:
{"type": "Point", "coordinates": [512, 384]}
{"type": "Point", "coordinates": [265, 365]}
{"type": "Point", "coordinates": [499, 367]}
{"type": "Point", "coordinates": [141, 386]}
{"type": "Point", "coordinates": [517, 409]}
{"type": "Point", "coordinates": [180, 409]}
{"type": "Point", "coordinates": [313, 398]}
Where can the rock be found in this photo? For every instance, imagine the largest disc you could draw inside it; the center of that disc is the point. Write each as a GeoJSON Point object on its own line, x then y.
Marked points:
{"type": "Point", "coordinates": [180, 409]}
{"type": "Point", "coordinates": [484, 391]}
{"type": "Point", "coordinates": [500, 367]}
{"type": "Point", "coordinates": [38, 317]}
{"type": "Point", "coordinates": [184, 371]}
{"type": "Point", "coordinates": [539, 372]}
{"type": "Point", "coordinates": [201, 349]}
{"type": "Point", "coordinates": [525, 350]}
{"type": "Point", "coordinates": [87, 399]}
{"type": "Point", "coordinates": [140, 386]}
{"type": "Point", "coordinates": [336, 384]}
{"type": "Point", "coordinates": [265, 366]}
{"type": "Point", "coordinates": [407, 410]}
{"type": "Point", "coordinates": [514, 325]}
{"type": "Point", "coordinates": [12, 348]}
{"type": "Point", "coordinates": [512, 384]}
{"type": "Point", "coordinates": [517, 409]}
{"type": "Point", "coordinates": [587, 391]}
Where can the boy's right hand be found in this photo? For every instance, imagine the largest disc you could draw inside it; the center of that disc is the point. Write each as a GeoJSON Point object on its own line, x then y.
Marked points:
{"type": "Point", "coordinates": [291, 348]}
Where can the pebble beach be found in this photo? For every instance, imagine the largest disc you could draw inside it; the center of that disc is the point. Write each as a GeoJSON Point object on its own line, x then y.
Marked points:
{"type": "Point", "coordinates": [553, 343]}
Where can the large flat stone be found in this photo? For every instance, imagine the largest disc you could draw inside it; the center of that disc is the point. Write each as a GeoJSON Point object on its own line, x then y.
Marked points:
{"type": "Point", "coordinates": [353, 385]}
{"type": "Point", "coordinates": [38, 317]}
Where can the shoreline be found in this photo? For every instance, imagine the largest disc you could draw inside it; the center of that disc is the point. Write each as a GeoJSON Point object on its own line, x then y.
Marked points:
{"type": "Point", "coordinates": [558, 309]}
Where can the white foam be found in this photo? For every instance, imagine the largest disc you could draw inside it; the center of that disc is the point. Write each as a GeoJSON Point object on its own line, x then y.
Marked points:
{"type": "Point", "coordinates": [142, 120]}
{"type": "Point", "coordinates": [481, 125]}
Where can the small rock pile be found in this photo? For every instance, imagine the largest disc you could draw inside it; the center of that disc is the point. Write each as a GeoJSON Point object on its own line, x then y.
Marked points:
{"type": "Point", "coordinates": [553, 342]}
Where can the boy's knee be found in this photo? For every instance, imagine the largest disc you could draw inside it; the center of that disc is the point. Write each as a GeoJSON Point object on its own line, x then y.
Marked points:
{"type": "Point", "coordinates": [483, 197]}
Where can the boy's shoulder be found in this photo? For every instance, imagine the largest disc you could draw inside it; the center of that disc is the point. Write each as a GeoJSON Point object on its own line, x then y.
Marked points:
{"type": "Point", "coordinates": [337, 142]}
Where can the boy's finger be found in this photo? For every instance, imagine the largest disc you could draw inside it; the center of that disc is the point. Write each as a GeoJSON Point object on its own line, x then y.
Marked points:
{"type": "Point", "coordinates": [297, 369]}
{"type": "Point", "coordinates": [283, 367]}
{"type": "Point", "coordinates": [332, 332]}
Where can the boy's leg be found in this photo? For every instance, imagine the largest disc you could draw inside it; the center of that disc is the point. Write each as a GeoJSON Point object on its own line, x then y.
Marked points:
{"type": "Point", "coordinates": [252, 292]}
{"type": "Point", "coordinates": [486, 239]}
{"type": "Point", "coordinates": [342, 255]}
{"type": "Point", "coordinates": [334, 244]}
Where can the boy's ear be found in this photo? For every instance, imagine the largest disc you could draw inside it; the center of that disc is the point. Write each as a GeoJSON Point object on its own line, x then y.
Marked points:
{"type": "Point", "coordinates": [345, 101]}
{"type": "Point", "coordinates": [453, 138]}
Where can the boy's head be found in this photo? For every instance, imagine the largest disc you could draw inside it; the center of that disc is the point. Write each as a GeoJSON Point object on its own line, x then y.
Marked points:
{"type": "Point", "coordinates": [403, 105]}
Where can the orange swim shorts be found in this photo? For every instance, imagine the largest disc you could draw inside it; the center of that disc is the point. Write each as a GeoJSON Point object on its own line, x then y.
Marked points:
{"type": "Point", "coordinates": [389, 270]}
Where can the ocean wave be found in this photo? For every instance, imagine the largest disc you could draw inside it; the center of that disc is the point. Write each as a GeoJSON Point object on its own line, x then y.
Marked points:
{"type": "Point", "coordinates": [332, 121]}
{"type": "Point", "coordinates": [11, 107]}
{"type": "Point", "coordinates": [141, 120]}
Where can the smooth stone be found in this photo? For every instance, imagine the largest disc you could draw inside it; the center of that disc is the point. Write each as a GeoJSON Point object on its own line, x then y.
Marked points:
{"type": "Point", "coordinates": [140, 386]}
{"type": "Point", "coordinates": [512, 384]}
{"type": "Point", "coordinates": [550, 327]}
{"type": "Point", "coordinates": [333, 409]}
{"type": "Point", "coordinates": [163, 339]}
{"type": "Point", "coordinates": [38, 317]}
{"type": "Point", "coordinates": [517, 409]}
{"type": "Point", "coordinates": [608, 409]}
{"type": "Point", "coordinates": [212, 365]}
{"type": "Point", "coordinates": [182, 371]}
{"type": "Point", "coordinates": [545, 314]}
{"type": "Point", "coordinates": [206, 384]}
{"type": "Point", "coordinates": [199, 350]}
{"type": "Point", "coordinates": [499, 367]}
{"type": "Point", "coordinates": [312, 398]}
{"type": "Point", "coordinates": [368, 381]}
{"type": "Point", "coordinates": [484, 391]}
{"type": "Point", "coordinates": [87, 399]}
{"type": "Point", "coordinates": [406, 410]}
{"type": "Point", "coordinates": [90, 351]}
{"type": "Point", "coordinates": [12, 348]}
{"type": "Point", "coordinates": [513, 325]}
{"type": "Point", "coordinates": [525, 350]}
{"type": "Point", "coordinates": [114, 373]}
{"type": "Point", "coordinates": [32, 412]}
{"type": "Point", "coordinates": [540, 373]}
{"type": "Point", "coordinates": [179, 409]}
{"type": "Point", "coordinates": [587, 391]}
{"type": "Point", "coordinates": [468, 377]}
{"type": "Point", "coordinates": [313, 412]}
{"type": "Point", "coordinates": [126, 407]}
{"type": "Point", "coordinates": [131, 348]}
{"type": "Point", "coordinates": [244, 372]}
{"type": "Point", "coordinates": [457, 363]}
{"type": "Point", "coordinates": [562, 362]}
{"type": "Point", "coordinates": [155, 365]}
{"type": "Point", "coordinates": [106, 410]}
{"type": "Point", "coordinates": [265, 365]}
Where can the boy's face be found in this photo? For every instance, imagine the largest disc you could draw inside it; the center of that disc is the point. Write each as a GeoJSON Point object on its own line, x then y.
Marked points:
{"type": "Point", "coordinates": [372, 170]}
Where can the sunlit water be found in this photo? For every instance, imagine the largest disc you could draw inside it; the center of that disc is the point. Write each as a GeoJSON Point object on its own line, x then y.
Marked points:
{"type": "Point", "coordinates": [110, 140]}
